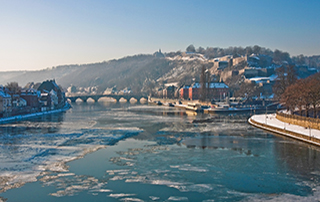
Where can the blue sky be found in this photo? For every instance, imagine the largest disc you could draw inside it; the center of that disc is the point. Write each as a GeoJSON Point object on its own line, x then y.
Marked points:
{"type": "Point", "coordinates": [41, 34]}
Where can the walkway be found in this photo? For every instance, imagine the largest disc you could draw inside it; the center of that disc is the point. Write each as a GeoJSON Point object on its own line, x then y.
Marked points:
{"type": "Point", "coordinates": [271, 123]}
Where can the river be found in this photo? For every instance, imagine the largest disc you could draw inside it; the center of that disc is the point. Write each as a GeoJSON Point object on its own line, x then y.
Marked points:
{"type": "Point", "coordinates": [132, 152]}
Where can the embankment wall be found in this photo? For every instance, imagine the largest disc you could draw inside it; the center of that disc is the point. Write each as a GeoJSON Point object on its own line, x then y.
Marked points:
{"type": "Point", "coordinates": [306, 122]}
{"type": "Point", "coordinates": [309, 139]}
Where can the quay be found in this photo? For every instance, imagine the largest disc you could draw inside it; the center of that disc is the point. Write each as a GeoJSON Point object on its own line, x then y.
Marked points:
{"type": "Point", "coordinates": [205, 107]}
{"type": "Point", "coordinates": [271, 123]}
{"type": "Point", "coordinates": [33, 115]}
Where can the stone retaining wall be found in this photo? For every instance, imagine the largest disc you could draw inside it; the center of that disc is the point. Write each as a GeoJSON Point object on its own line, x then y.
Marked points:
{"type": "Point", "coordinates": [299, 120]}
{"type": "Point", "coordinates": [309, 139]}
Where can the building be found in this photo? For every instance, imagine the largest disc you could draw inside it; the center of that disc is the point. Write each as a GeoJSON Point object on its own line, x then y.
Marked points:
{"type": "Point", "coordinates": [32, 97]}
{"type": "Point", "coordinates": [125, 91]}
{"type": "Point", "coordinates": [54, 90]}
{"type": "Point", "coordinates": [251, 72]}
{"type": "Point", "coordinates": [54, 98]}
{"type": "Point", "coordinates": [158, 54]}
{"type": "Point", "coordinates": [5, 102]}
{"type": "Point", "coordinates": [45, 101]}
{"type": "Point", "coordinates": [194, 91]}
{"type": "Point", "coordinates": [217, 91]}
{"type": "Point", "coordinates": [19, 103]}
{"type": "Point", "coordinates": [184, 92]}
{"type": "Point", "coordinates": [110, 91]}
{"type": "Point", "coordinates": [168, 92]}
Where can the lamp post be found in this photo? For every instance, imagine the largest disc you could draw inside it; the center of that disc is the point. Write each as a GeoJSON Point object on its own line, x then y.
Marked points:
{"type": "Point", "coordinates": [207, 81]}
{"type": "Point", "coordinates": [310, 132]}
{"type": "Point", "coordinates": [266, 114]}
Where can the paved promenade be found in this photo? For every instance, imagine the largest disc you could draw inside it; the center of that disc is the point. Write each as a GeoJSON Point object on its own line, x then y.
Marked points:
{"type": "Point", "coordinates": [271, 123]}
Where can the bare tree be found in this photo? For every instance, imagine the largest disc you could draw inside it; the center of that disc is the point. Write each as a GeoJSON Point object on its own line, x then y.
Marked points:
{"type": "Point", "coordinates": [256, 49]}
{"type": "Point", "coordinates": [13, 87]}
{"type": "Point", "coordinates": [286, 77]}
{"type": "Point", "coordinates": [304, 94]}
{"type": "Point", "coordinates": [280, 84]}
{"type": "Point", "coordinates": [291, 75]}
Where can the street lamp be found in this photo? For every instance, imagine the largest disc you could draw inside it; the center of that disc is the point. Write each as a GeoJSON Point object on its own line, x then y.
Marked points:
{"type": "Point", "coordinates": [310, 132]}
{"type": "Point", "coordinates": [266, 114]}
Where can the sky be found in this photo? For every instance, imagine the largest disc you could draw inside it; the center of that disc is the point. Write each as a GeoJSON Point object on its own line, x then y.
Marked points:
{"type": "Point", "coordinates": [39, 34]}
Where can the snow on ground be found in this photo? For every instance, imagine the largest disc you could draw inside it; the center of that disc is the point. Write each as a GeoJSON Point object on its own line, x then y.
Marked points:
{"type": "Point", "coordinates": [271, 120]}
{"type": "Point", "coordinates": [188, 57]}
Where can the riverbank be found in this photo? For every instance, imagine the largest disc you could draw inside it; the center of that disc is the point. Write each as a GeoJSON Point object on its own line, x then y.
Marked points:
{"type": "Point", "coordinates": [32, 115]}
{"type": "Point", "coordinates": [206, 107]}
{"type": "Point", "coordinates": [175, 101]}
{"type": "Point", "coordinates": [270, 123]}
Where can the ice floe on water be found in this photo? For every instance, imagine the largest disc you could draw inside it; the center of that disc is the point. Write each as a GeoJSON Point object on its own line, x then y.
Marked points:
{"type": "Point", "coordinates": [178, 198]}
{"type": "Point", "coordinates": [194, 158]}
{"type": "Point", "coordinates": [120, 195]}
{"type": "Point", "coordinates": [25, 155]}
{"type": "Point", "coordinates": [188, 167]}
{"type": "Point", "coordinates": [69, 184]}
{"type": "Point", "coordinates": [131, 199]}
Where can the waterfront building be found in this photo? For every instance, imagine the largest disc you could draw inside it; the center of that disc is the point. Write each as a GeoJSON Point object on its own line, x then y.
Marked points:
{"type": "Point", "coordinates": [215, 91]}
{"type": "Point", "coordinates": [32, 97]}
{"type": "Point", "coordinates": [168, 92]}
{"type": "Point", "coordinates": [19, 102]}
{"type": "Point", "coordinates": [184, 92]}
{"type": "Point", "coordinates": [5, 102]}
{"type": "Point", "coordinates": [54, 90]}
{"type": "Point", "coordinates": [45, 101]}
{"type": "Point", "coordinates": [194, 91]}
{"type": "Point", "coordinates": [54, 98]}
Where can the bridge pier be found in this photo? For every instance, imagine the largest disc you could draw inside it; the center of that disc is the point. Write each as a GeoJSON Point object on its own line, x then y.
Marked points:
{"type": "Point", "coordinates": [72, 99]}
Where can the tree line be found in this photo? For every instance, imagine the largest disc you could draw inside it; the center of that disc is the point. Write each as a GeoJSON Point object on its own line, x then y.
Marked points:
{"type": "Point", "coordinates": [277, 55]}
{"type": "Point", "coordinates": [213, 52]}
{"type": "Point", "coordinates": [304, 95]}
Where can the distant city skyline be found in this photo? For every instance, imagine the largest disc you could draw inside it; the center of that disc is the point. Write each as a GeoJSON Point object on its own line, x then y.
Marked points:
{"type": "Point", "coordinates": [39, 34]}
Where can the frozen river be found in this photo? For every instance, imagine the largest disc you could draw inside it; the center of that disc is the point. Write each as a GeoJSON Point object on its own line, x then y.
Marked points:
{"type": "Point", "coordinates": [124, 152]}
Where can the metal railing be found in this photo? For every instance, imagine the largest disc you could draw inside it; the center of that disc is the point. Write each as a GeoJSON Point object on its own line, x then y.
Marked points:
{"type": "Point", "coordinates": [303, 121]}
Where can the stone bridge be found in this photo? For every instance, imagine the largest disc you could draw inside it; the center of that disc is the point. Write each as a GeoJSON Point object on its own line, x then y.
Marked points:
{"type": "Point", "coordinates": [96, 97]}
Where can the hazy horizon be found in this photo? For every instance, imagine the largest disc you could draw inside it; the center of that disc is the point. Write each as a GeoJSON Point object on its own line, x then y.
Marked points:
{"type": "Point", "coordinates": [36, 35]}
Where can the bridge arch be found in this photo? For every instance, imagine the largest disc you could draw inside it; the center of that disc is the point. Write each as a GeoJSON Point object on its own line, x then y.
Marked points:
{"type": "Point", "coordinates": [122, 99]}
{"type": "Point", "coordinates": [107, 99]}
{"type": "Point", "coordinates": [96, 98]}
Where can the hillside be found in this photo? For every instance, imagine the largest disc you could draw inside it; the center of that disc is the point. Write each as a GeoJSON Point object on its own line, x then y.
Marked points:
{"type": "Point", "coordinates": [146, 73]}
{"type": "Point", "coordinates": [126, 72]}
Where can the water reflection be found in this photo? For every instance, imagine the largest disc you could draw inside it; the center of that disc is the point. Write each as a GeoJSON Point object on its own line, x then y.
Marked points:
{"type": "Point", "coordinates": [216, 141]}
{"type": "Point", "coordinates": [43, 124]}
{"type": "Point", "coordinates": [301, 158]}
{"type": "Point", "coordinates": [184, 157]}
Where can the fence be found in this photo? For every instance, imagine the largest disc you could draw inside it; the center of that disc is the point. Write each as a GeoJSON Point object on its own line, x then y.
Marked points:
{"type": "Point", "coordinates": [309, 139]}
{"type": "Point", "coordinates": [306, 122]}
